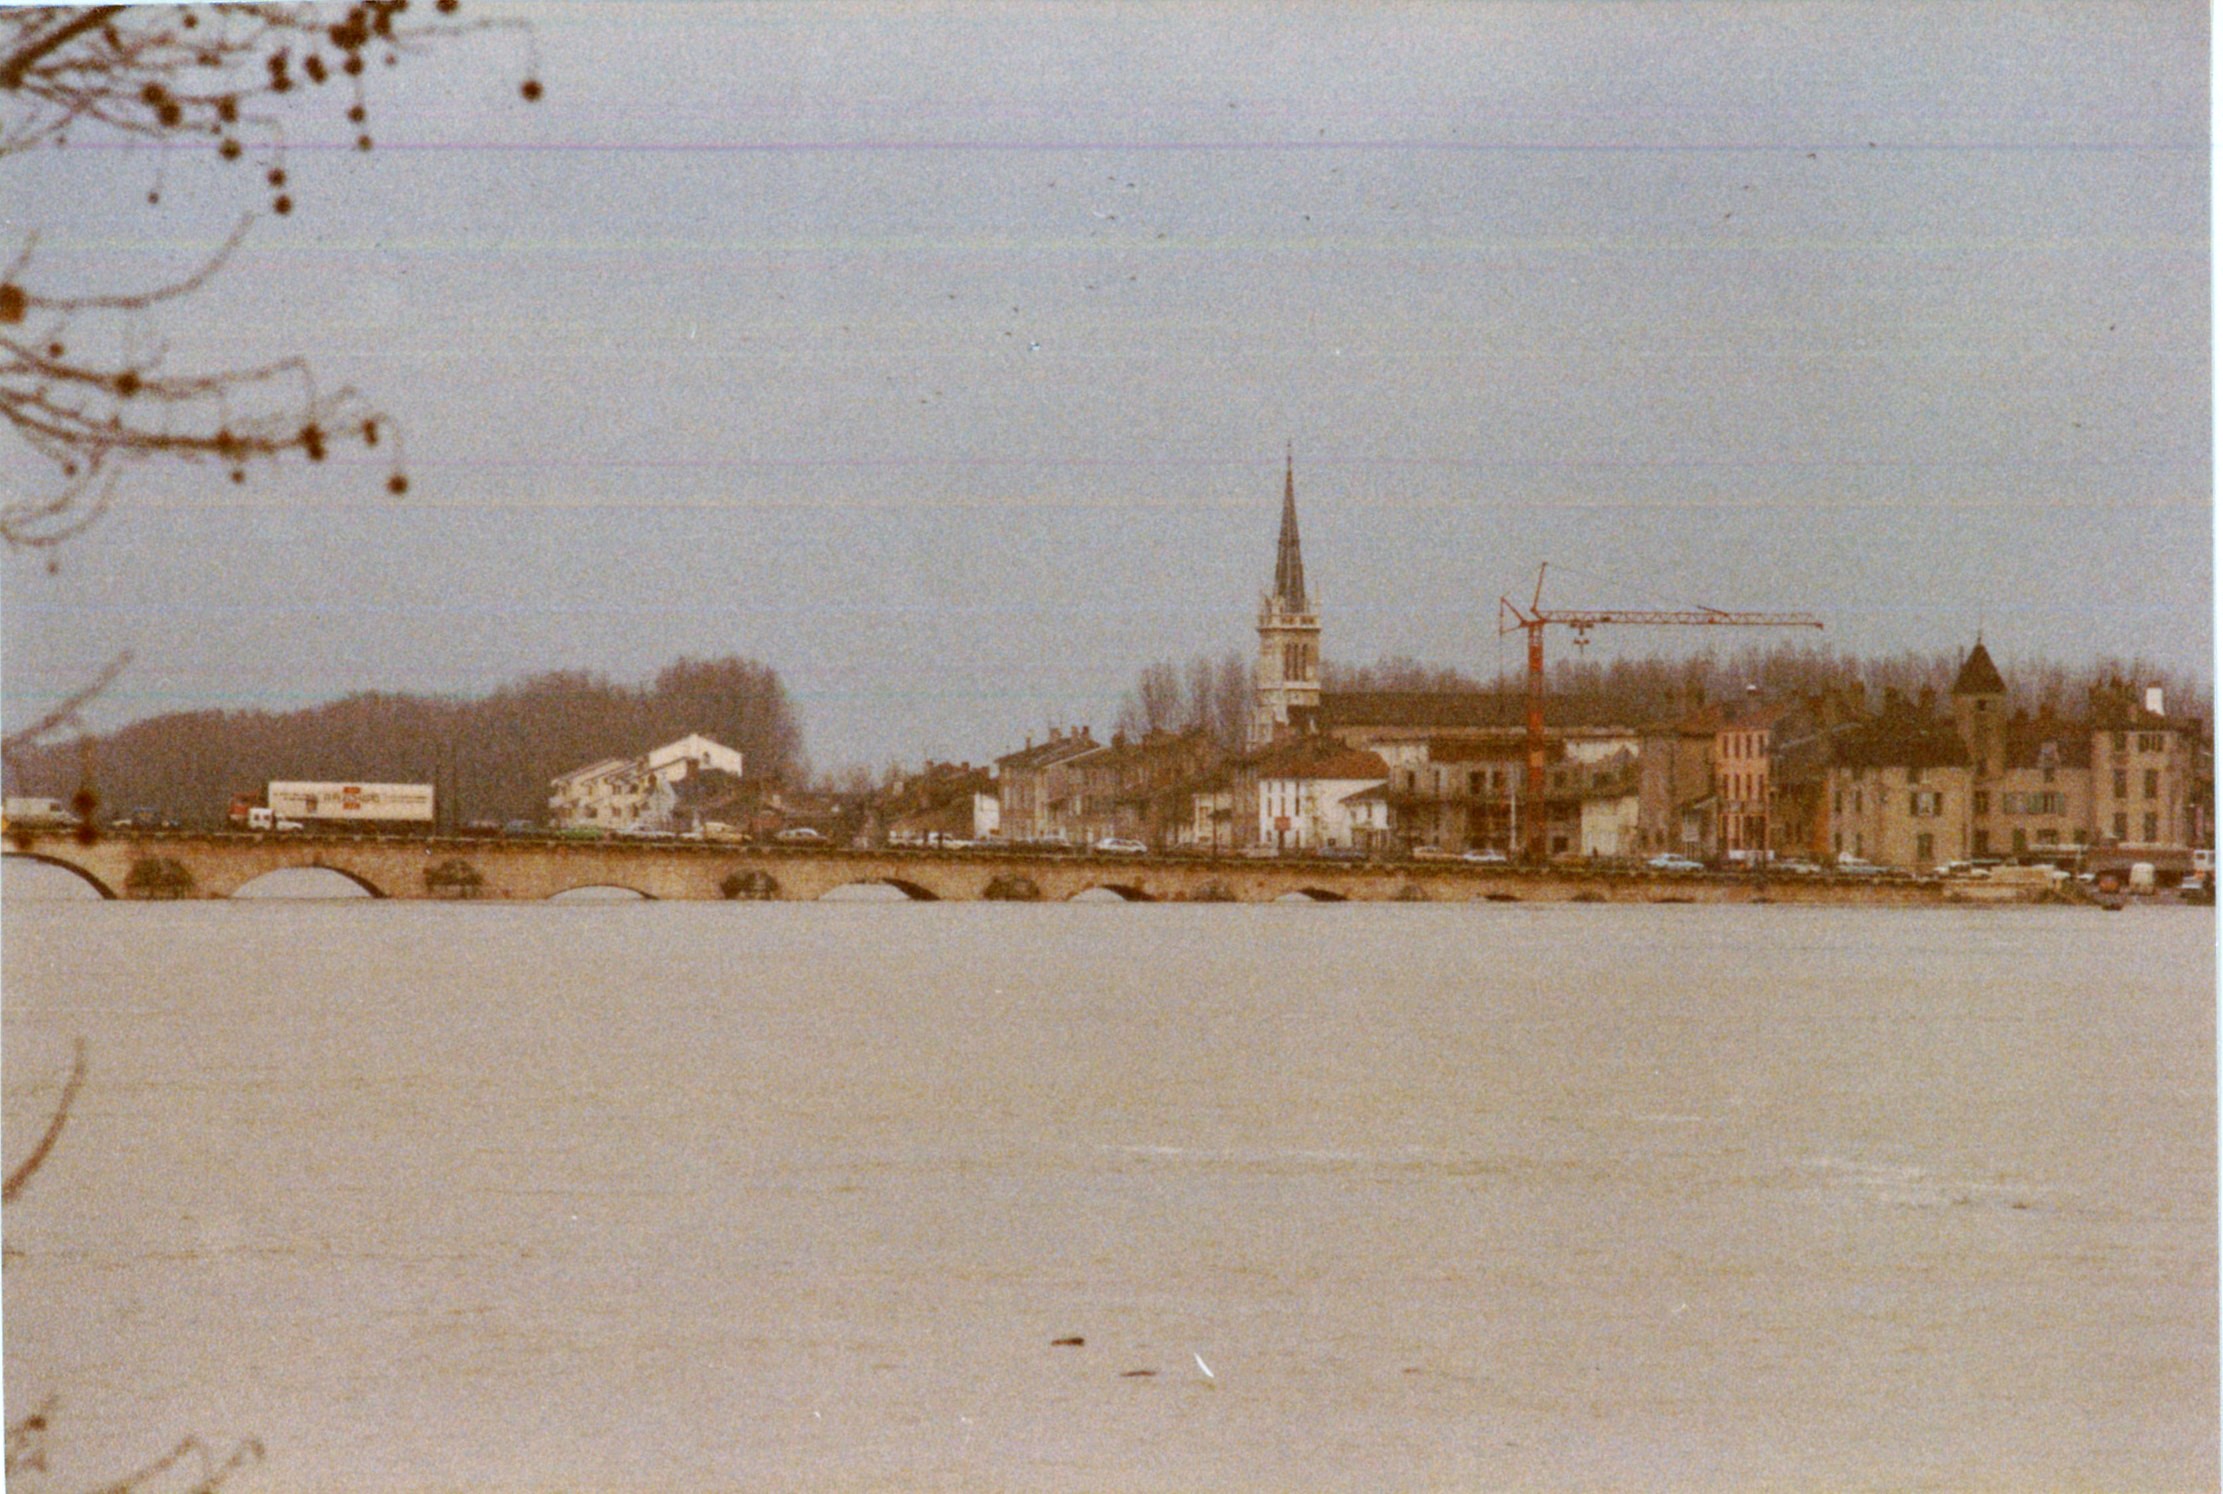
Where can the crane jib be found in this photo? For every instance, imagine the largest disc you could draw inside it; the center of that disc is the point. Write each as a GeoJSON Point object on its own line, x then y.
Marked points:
{"type": "Point", "coordinates": [1533, 619]}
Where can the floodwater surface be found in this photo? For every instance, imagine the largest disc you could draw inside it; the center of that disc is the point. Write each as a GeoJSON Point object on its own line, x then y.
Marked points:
{"type": "Point", "coordinates": [967, 1197]}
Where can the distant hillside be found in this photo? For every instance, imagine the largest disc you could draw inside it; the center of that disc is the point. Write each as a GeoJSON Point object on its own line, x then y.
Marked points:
{"type": "Point", "coordinates": [494, 754]}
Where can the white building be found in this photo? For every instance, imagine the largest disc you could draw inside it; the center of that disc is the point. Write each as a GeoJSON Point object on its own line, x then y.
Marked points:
{"type": "Point", "coordinates": [628, 793]}
{"type": "Point", "coordinates": [987, 816]}
{"type": "Point", "coordinates": [1304, 793]}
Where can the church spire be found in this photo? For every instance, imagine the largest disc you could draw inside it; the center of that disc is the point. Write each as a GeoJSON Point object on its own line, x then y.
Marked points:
{"type": "Point", "coordinates": [1289, 561]}
{"type": "Point", "coordinates": [1285, 682]}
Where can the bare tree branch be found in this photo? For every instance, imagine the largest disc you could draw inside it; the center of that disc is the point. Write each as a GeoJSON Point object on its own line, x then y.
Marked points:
{"type": "Point", "coordinates": [211, 1474]}
{"type": "Point", "coordinates": [31, 1164]}
{"type": "Point", "coordinates": [19, 62]}
{"type": "Point", "coordinates": [65, 716]}
{"type": "Point", "coordinates": [215, 73]}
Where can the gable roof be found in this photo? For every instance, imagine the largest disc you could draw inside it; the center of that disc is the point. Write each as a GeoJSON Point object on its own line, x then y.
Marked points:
{"type": "Point", "coordinates": [1316, 759]}
{"type": "Point", "coordinates": [1043, 754]}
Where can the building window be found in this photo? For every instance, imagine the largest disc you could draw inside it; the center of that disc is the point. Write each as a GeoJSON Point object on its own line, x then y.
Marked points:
{"type": "Point", "coordinates": [1924, 848]}
{"type": "Point", "coordinates": [1914, 773]}
{"type": "Point", "coordinates": [2122, 741]}
{"type": "Point", "coordinates": [1982, 845]}
{"type": "Point", "coordinates": [2153, 783]}
{"type": "Point", "coordinates": [2122, 827]}
{"type": "Point", "coordinates": [2022, 842]}
{"type": "Point", "coordinates": [2153, 829]}
{"type": "Point", "coordinates": [1982, 803]}
{"type": "Point", "coordinates": [2122, 783]}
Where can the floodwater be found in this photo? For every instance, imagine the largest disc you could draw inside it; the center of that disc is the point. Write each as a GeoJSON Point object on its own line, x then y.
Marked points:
{"type": "Point", "coordinates": [660, 1196]}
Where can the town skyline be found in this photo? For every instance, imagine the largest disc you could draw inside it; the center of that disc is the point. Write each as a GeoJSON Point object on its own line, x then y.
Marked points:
{"type": "Point", "coordinates": [947, 364]}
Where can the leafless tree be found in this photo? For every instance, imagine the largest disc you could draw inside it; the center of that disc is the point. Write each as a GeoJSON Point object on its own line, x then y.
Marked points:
{"type": "Point", "coordinates": [85, 381]}
{"type": "Point", "coordinates": [1209, 692]}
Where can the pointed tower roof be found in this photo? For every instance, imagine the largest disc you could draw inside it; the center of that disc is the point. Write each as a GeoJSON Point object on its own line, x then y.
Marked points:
{"type": "Point", "coordinates": [1979, 676]}
{"type": "Point", "coordinates": [1289, 560]}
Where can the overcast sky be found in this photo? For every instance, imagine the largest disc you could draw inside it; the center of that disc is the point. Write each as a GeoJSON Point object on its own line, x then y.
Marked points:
{"type": "Point", "coordinates": [945, 358]}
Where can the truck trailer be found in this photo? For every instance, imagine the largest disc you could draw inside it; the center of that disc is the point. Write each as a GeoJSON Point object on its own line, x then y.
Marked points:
{"type": "Point", "coordinates": [371, 804]}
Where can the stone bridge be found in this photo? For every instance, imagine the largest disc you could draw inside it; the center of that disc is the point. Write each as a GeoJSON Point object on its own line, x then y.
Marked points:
{"type": "Point", "coordinates": [139, 864]}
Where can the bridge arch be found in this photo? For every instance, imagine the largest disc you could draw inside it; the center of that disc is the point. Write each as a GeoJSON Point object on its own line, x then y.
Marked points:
{"type": "Point", "coordinates": [598, 892]}
{"type": "Point", "coordinates": [353, 878]}
{"type": "Point", "coordinates": [66, 865]}
{"type": "Point", "coordinates": [1126, 892]}
{"type": "Point", "coordinates": [913, 891]}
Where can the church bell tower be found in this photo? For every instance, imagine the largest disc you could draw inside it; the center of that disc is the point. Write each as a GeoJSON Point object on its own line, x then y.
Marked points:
{"type": "Point", "coordinates": [1285, 682]}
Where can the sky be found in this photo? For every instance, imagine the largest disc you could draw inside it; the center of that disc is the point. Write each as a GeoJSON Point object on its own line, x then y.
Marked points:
{"type": "Point", "coordinates": [946, 358]}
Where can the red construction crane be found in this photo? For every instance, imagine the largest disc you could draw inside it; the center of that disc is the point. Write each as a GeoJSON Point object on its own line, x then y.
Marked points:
{"type": "Point", "coordinates": [1511, 617]}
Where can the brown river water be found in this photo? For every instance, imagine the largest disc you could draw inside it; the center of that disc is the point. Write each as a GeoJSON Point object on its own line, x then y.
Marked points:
{"type": "Point", "coordinates": [773, 1196]}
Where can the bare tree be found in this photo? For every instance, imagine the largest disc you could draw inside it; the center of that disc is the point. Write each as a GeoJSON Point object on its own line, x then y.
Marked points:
{"type": "Point", "coordinates": [84, 379]}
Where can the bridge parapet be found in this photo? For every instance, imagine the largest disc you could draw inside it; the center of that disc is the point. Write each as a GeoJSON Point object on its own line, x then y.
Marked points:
{"type": "Point", "coordinates": [214, 865]}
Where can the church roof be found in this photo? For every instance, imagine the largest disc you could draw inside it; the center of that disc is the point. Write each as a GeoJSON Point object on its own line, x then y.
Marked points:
{"type": "Point", "coordinates": [1289, 558]}
{"type": "Point", "coordinates": [1979, 676]}
{"type": "Point", "coordinates": [1420, 708]}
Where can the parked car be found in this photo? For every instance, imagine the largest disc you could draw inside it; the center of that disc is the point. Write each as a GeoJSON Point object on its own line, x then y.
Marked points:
{"type": "Point", "coordinates": [1487, 857]}
{"type": "Point", "coordinates": [521, 827]}
{"type": "Point", "coordinates": [1798, 866]}
{"type": "Point", "coordinates": [1672, 863]}
{"type": "Point", "coordinates": [1433, 853]}
{"type": "Point", "coordinates": [800, 835]}
{"type": "Point", "coordinates": [1341, 853]}
{"type": "Point", "coordinates": [1115, 845]}
{"type": "Point", "coordinates": [1849, 865]}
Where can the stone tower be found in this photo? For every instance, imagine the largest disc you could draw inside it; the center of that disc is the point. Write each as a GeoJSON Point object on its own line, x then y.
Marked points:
{"type": "Point", "coordinates": [1979, 704]}
{"type": "Point", "coordinates": [1285, 684]}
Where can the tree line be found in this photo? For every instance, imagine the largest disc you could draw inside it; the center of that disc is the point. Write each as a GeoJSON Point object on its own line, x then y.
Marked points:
{"type": "Point", "coordinates": [492, 756]}
{"type": "Point", "coordinates": [1214, 691]}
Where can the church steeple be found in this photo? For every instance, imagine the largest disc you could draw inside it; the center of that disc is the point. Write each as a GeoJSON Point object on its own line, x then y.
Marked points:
{"type": "Point", "coordinates": [1289, 561]}
{"type": "Point", "coordinates": [1285, 682]}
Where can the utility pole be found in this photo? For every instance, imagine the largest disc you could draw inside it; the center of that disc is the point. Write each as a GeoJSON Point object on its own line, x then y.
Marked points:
{"type": "Point", "coordinates": [1534, 618]}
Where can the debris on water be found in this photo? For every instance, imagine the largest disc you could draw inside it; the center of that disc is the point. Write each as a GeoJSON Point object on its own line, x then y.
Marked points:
{"type": "Point", "coordinates": [1068, 1343]}
{"type": "Point", "coordinates": [1206, 1369]}
{"type": "Point", "coordinates": [1136, 1374]}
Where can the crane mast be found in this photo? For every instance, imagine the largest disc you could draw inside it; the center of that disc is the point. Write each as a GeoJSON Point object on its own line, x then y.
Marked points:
{"type": "Point", "coordinates": [1534, 618]}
